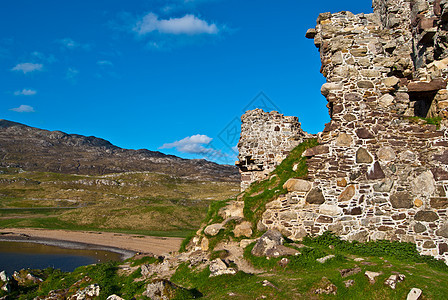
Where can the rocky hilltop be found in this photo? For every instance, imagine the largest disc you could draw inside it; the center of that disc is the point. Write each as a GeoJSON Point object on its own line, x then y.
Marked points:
{"type": "Point", "coordinates": [34, 149]}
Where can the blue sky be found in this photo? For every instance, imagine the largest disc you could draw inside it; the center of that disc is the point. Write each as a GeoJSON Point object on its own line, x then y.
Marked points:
{"type": "Point", "coordinates": [173, 76]}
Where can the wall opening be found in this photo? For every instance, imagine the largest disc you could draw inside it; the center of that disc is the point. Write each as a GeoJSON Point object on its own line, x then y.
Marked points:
{"type": "Point", "coordinates": [422, 102]}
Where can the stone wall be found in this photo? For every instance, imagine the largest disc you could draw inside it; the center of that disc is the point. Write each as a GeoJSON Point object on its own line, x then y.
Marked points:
{"type": "Point", "coordinates": [266, 139]}
{"type": "Point", "coordinates": [379, 172]}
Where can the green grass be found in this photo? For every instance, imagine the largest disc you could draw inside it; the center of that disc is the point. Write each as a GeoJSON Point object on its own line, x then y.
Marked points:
{"type": "Point", "coordinates": [260, 193]}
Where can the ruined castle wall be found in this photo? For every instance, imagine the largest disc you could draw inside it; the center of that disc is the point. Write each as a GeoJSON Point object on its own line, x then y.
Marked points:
{"type": "Point", "coordinates": [379, 173]}
{"type": "Point", "coordinates": [266, 140]}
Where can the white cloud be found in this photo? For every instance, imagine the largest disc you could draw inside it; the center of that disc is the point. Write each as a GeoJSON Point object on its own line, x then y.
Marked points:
{"type": "Point", "coordinates": [23, 109]}
{"type": "Point", "coordinates": [71, 44]}
{"type": "Point", "coordinates": [28, 67]}
{"type": "Point", "coordinates": [71, 74]}
{"type": "Point", "coordinates": [104, 63]}
{"type": "Point", "coordinates": [188, 24]}
{"type": "Point", "coordinates": [192, 144]}
{"type": "Point", "coordinates": [25, 92]}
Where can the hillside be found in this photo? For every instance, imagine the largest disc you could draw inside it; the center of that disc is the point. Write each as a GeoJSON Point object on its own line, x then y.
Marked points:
{"type": "Point", "coordinates": [34, 149]}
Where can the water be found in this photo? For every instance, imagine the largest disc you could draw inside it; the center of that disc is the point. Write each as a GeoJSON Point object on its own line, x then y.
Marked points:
{"type": "Point", "coordinates": [15, 256]}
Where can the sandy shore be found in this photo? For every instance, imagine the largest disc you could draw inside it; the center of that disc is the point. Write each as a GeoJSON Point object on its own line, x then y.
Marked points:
{"type": "Point", "coordinates": [130, 242]}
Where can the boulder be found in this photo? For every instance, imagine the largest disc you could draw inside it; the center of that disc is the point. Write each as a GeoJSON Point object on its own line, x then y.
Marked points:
{"type": "Point", "coordinates": [393, 279]}
{"type": "Point", "coordinates": [243, 229]}
{"type": "Point", "coordinates": [161, 289]}
{"type": "Point", "coordinates": [322, 260]}
{"type": "Point", "coordinates": [213, 229]}
{"type": "Point", "coordinates": [218, 267]}
{"type": "Point", "coordinates": [269, 240]}
{"type": "Point", "coordinates": [233, 209]}
{"type": "Point", "coordinates": [372, 276]}
{"type": "Point", "coordinates": [297, 185]}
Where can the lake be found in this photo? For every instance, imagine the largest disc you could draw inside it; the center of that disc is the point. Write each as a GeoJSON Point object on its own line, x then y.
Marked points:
{"type": "Point", "coordinates": [15, 256]}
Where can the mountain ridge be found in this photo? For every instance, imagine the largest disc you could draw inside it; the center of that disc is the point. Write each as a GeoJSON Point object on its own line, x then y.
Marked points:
{"type": "Point", "coordinates": [35, 149]}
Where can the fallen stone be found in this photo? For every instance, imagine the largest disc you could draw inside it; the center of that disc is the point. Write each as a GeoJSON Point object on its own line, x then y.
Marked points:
{"type": "Point", "coordinates": [372, 276]}
{"type": "Point", "coordinates": [270, 239]}
{"type": "Point", "coordinates": [213, 229]}
{"type": "Point", "coordinates": [414, 294]}
{"type": "Point", "coordinates": [114, 297]}
{"type": "Point", "coordinates": [349, 283]}
{"type": "Point", "coordinates": [349, 272]}
{"type": "Point", "coordinates": [243, 229]}
{"type": "Point", "coordinates": [89, 292]}
{"type": "Point", "coordinates": [297, 185]}
{"type": "Point", "coordinates": [393, 279]}
{"type": "Point", "coordinates": [324, 259]}
{"type": "Point", "coordinates": [325, 287]}
{"type": "Point", "coordinates": [218, 267]}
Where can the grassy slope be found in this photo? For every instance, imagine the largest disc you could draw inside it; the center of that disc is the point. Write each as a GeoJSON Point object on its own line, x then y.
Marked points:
{"type": "Point", "coordinates": [145, 203]}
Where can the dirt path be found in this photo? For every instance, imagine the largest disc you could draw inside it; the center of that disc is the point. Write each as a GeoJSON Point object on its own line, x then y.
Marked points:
{"type": "Point", "coordinates": [136, 243]}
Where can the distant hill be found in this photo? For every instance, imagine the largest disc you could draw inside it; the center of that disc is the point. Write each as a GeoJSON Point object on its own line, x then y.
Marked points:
{"type": "Point", "coordinates": [35, 149]}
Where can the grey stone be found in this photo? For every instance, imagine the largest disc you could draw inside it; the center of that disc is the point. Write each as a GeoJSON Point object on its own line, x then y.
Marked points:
{"type": "Point", "coordinates": [330, 210]}
{"type": "Point", "coordinates": [329, 87]}
{"type": "Point", "coordinates": [372, 276]}
{"type": "Point", "coordinates": [443, 231]}
{"type": "Point", "coordinates": [324, 259]}
{"type": "Point", "coordinates": [424, 184]}
{"type": "Point", "coordinates": [363, 156]}
{"type": "Point", "coordinates": [414, 294]}
{"type": "Point", "coordinates": [384, 186]}
{"type": "Point", "coordinates": [213, 229]}
{"type": "Point", "coordinates": [365, 84]}
{"type": "Point", "coordinates": [426, 216]}
{"type": "Point", "coordinates": [419, 228]}
{"type": "Point", "coordinates": [315, 196]}
{"type": "Point", "coordinates": [386, 100]}
{"type": "Point", "coordinates": [270, 239]}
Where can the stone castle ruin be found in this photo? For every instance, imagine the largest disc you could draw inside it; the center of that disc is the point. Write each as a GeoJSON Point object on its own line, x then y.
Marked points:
{"type": "Point", "coordinates": [380, 171]}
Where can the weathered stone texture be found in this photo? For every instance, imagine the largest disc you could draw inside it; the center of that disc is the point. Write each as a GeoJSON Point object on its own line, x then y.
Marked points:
{"type": "Point", "coordinates": [379, 172]}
